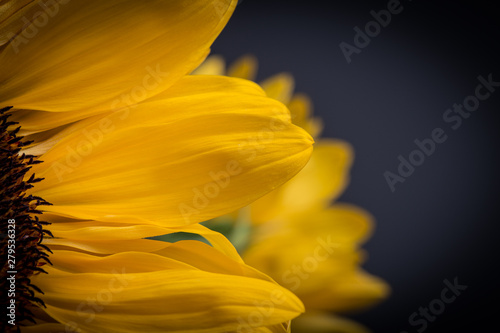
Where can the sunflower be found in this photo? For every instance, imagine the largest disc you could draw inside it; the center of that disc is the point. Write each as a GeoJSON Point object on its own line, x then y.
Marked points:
{"type": "Point", "coordinates": [132, 148]}
{"type": "Point", "coordinates": [295, 234]}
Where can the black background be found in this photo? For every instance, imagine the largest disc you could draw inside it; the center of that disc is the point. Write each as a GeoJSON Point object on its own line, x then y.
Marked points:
{"type": "Point", "coordinates": [442, 222]}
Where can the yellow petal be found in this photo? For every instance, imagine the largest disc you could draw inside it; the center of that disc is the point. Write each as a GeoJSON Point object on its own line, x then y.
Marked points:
{"type": "Point", "coordinates": [11, 13]}
{"type": "Point", "coordinates": [44, 138]}
{"type": "Point", "coordinates": [325, 176]}
{"type": "Point", "coordinates": [99, 237]}
{"type": "Point", "coordinates": [213, 65]}
{"type": "Point", "coordinates": [213, 146]}
{"type": "Point", "coordinates": [321, 181]}
{"type": "Point", "coordinates": [217, 240]}
{"type": "Point", "coordinates": [302, 263]}
{"type": "Point", "coordinates": [162, 301]}
{"type": "Point", "coordinates": [104, 247]}
{"type": "Point", "coordinates": [313, 251]}
{"type": "Point", "coordinates": [321, 272]}
{"type": "Point", "coordinates": [245, 68]}
{"type": "Point", "coordinates": [184, 254]}
{"type": "Point", "coordinates": [84, 55]}
{"type": "Point", "coordinates": [346, 223]}
{"type": "Point", "coordinates": [279, 87]}
{"type": "Point", "coordinates": [301, 110]}
{"type": "Point", "coordinates": [34, 122]}
{"type": "Point", "coordinates": [351, 291]}
{"type": "Point", "coordinates": [135, 262]}
{"type": "Point", "coordinates": [132, 292]}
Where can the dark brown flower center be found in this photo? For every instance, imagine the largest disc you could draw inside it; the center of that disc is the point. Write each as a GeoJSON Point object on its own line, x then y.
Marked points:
{"type": "Point", "coordinates": [22, 231]}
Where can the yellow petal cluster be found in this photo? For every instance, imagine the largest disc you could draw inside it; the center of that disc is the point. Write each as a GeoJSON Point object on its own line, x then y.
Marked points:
{"type": "Point", "coordinates": [103, 285]}
{"type": "Point", "coordinates": [134, 147]}
{"type": "Point", "coordinates": [299, 236]}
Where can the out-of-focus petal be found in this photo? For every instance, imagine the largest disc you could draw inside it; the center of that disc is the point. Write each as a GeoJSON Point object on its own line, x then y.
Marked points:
{"type": "Point", "coordinates": [244, 68]}
{"type": "Point", "coordinates": [301, 110]}
{"type": "Point", "coordinates": [348, 292]}
{"type": "Point", "coordinates": [322, 180]}
{"type": "Point", "coordinates": [122, 292]}
{"type": "Point", "coordinates": [279, 87]}
{"type": "Point", "coordinates": [213, 65]}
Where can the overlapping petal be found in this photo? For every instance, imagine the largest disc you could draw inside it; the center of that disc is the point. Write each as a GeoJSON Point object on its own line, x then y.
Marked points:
{"type": "Point", "coordinates": [141, 152]}
{"type": "Point", "coordinates": [110, 238]}
{"type": "Point", "coordinates": [321, 181]}
{"type": "Point", "coordinates": [301, 109]}
{"type": "Point", "coordinates": [69, 56]}
{"type": "Point", "coordinates": [174, 289]}
{"type": "Point", "coordinates": [279, 87]}
{"type": "Point", "coordinates": [11, 13]}
{"type": "Point", "coordinates": [207, 146]}
{"type": "Point", "coordinates": [347, 292]}
{"type": "Point", "coordinates": [319, 260]}
{"type": "Point", "coordinates": [299, 238]}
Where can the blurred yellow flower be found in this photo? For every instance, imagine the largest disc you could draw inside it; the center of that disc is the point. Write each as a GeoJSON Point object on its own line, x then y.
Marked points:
{"type": "Point", "coordinates": [295, 234]}
{"type": "Point", "coordinates": [132, 148]}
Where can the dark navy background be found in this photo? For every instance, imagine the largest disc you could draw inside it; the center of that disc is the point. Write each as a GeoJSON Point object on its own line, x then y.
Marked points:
{"type": "Point", "coordinates": [442, 222]}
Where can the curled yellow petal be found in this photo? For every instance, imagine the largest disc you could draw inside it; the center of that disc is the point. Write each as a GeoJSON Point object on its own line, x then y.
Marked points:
{"type": "Point", "coordinates": [109, 238]}
{"type": "Point", "coordinates": [172, 291]}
